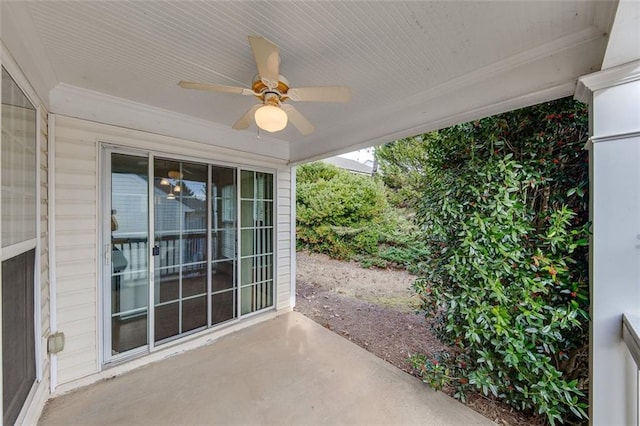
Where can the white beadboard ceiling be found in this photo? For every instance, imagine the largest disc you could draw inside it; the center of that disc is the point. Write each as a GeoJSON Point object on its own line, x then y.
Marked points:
{"type": "Point", "coordinates": [412, 66]}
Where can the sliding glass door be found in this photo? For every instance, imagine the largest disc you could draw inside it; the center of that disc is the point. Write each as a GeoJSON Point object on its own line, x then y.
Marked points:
{"type": "Point", "coordinates": [174, 229]}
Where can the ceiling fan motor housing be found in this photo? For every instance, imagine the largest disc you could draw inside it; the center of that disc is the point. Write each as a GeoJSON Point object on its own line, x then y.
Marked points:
{"type": "Point", "coordinates": [262, 89]}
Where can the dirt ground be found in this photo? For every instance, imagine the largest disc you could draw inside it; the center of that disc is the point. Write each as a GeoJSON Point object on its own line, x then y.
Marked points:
{"type": "Point", "coordinates": [375, 309]}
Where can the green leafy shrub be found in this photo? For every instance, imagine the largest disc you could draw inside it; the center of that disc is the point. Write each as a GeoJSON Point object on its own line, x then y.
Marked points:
{"type": "Point", "coordinates": [504, 214]}
{"type": "Point", "coordinates": [347, 217]}
{"type": "Point", "coordinates": [313, 172]}
{"type": "Point", "coordinates": [401, 245]}
{"type": "Point", "coordinates": [338, 213]}
{"type": "Point", "coordinates": [402, 165]}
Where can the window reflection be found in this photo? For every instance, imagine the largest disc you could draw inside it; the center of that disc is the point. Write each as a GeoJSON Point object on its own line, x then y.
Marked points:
{"type": "Point", "coordinates": [129, 253]}
{"type": "Point", "coordinates": [18, 164]}
{"type": "Point", "coordinates": [180, 214]}
{"type": "Point", "coordinates": [223, 244]}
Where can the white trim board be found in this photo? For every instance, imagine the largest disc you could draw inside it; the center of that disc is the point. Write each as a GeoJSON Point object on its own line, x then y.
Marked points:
{"type": "Point", "coordinates": [607, 78]}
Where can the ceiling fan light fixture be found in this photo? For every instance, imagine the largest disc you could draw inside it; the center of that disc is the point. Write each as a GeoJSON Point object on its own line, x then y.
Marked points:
{"type": "Point", "coordinates": [272, 90]}
{"type": "Point", "coordinates": [271, 118]}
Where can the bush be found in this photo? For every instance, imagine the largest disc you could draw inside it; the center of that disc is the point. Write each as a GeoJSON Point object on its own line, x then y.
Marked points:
{"type": "Point", "coordinates": [504, 214]}
{"type": "Point", "coordinates": [402, 168]}
{"type": "Point", "coordinates": [347, 217]}
{"type": "Point", "coordinates": [401, 245]}
{"type": "Point", "coordinates": [313, 172]}
{"type": "Point", "coordinates": [338, 213]}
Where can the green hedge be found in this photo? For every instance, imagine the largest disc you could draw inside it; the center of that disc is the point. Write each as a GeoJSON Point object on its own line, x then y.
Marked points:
{"type": "Point", "coordinates": [504, 212]}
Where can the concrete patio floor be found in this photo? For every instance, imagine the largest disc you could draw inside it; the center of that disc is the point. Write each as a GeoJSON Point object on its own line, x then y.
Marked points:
{"type": "Point", "coordinates": [288, 370]}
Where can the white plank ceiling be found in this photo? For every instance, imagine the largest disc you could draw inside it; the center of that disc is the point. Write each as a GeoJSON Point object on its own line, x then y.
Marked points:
{"type": "Point", "coordinates": [412, 66]}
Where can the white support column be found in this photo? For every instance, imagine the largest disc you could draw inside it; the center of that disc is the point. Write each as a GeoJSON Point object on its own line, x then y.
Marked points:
{"type": "Point", "coordinates": [614, 98]}
{"type": "Point", "coordinates": [293, 201]}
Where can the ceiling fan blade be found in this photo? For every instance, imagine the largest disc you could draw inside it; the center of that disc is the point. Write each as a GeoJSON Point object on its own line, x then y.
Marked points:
{"type": "Point", "coordinates": [300, 121]}
{"type": "Point", "coordinates": [246, 120]}
{"type": "Point", "coordinates": [215, 88]}
{"type": "Point", "coordinates": [320, 94]}
{"type": "Point", "coordinates": [267, 56]}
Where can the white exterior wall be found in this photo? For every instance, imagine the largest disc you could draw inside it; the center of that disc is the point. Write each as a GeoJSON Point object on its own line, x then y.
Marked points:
{"type": "Point", "coordinates": [614, 97]}
{"type": "Point", "coordinates": [77, 194]}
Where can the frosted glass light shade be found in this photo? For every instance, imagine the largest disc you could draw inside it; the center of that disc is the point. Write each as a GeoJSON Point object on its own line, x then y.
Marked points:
{"type": "Point", "coordinates": [271, 118]}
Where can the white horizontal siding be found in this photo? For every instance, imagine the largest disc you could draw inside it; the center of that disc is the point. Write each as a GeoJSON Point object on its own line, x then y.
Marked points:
{"type": "Point", "coordinates": [75, 228]}
{"type": "Point", "coordinates": [69, 209]}
{"type": "Point", "coordinates": [283, 293]}
{"type": "Point", "coordinates": [283, 300]}
{"type": "Point", "coordinates": [284, 235]}
{"type": "Point", "coordinates": [76, 282]}
{"type": "Point", "coordinates": [284, 261]}
{"type": "Point", "coordinates": [77, 191]}
{"type": "Point", "coordinates": [80, 368]}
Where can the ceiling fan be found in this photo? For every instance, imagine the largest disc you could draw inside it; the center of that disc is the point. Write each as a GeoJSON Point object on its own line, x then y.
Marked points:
{"type": "Point", "coordinates": [273, 90]}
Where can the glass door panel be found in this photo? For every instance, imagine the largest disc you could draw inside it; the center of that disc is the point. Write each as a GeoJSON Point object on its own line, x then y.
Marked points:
{"type": "Point", "coordinates": [129, 252]}
{"type": "Point", "coordinates": [256, 241]}
{"type": "Point", "coordinates": [193, 197]}
{"type": "Point", "coordinates": [223, 244]}
{"type": "Point", "coordinates": [180, 228]}
{"type": "Point", "coordinates": [167, 211]}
